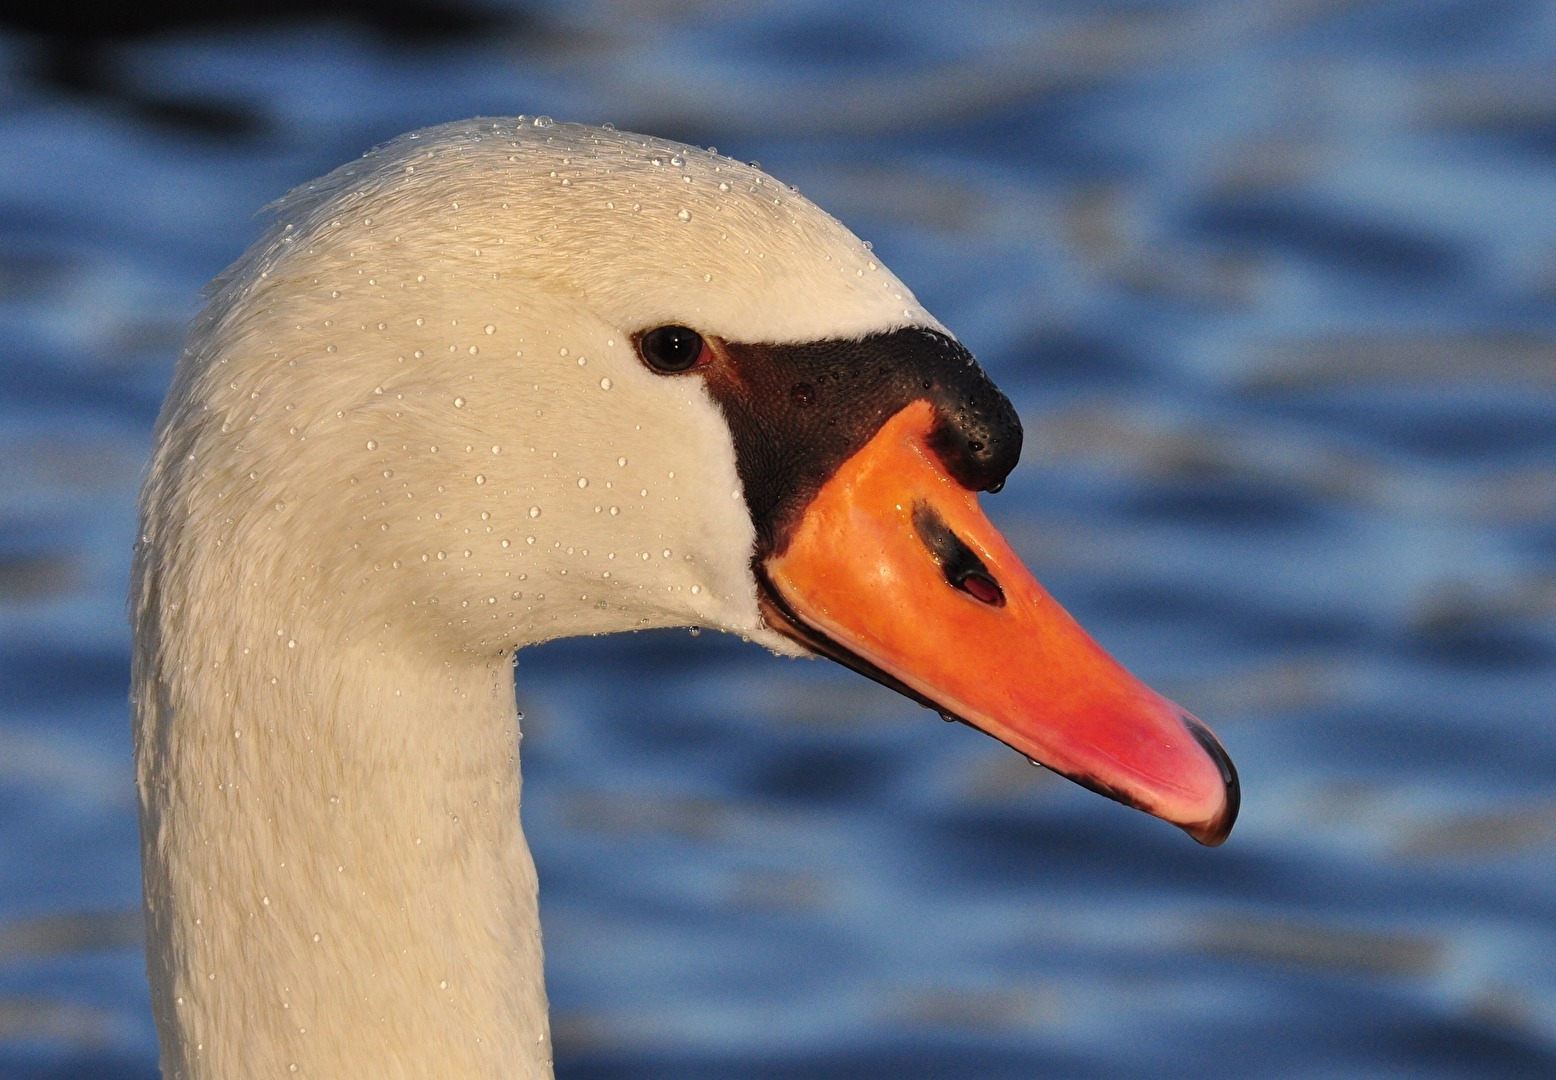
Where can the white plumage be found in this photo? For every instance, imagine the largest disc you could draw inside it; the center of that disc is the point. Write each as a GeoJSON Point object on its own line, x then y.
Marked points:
{"type": "Point", "coordinates": [409, 435]}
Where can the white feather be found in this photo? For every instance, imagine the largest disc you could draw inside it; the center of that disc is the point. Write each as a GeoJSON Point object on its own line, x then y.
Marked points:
{"type": "Point", "coordinates": [408, 436]}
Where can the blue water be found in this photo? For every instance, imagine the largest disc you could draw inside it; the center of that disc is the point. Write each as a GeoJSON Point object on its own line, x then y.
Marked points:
{"type": "Point", "coordinates": [1273, 286]}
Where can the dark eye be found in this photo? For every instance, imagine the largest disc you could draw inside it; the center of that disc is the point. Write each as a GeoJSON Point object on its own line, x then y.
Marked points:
{"type": "Point", "coordinates": [671, 348]}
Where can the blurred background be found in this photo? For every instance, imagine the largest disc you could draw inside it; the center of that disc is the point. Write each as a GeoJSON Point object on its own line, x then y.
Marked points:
{"type": "Point", "coordinates": [1273, 285]}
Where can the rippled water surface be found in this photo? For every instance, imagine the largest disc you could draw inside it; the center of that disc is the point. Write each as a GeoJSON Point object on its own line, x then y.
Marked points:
{"type": "Point", "coordinates": [1273, 286]}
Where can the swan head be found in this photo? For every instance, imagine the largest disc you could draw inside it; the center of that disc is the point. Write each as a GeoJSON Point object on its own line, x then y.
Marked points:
{"type": "Point", "coordinates": [502, 381]}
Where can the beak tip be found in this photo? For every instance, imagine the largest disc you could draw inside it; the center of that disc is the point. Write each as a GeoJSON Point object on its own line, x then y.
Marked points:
{"type": "Point", "coordinates": [1214, 831]}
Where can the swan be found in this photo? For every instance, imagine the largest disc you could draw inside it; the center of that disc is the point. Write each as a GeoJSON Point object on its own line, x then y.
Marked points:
{"type": "Point", "coordinates": [508, 380]}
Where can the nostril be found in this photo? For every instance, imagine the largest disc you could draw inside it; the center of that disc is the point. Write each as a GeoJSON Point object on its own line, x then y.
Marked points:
{"type": "Point", "coordinates": [961, 566]}
{"type": "Point", "coordinates": [980, 586]}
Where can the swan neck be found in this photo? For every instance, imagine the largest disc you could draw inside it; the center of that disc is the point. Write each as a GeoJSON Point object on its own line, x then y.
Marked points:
{"type": "Point", "coordinates": [337, 884]}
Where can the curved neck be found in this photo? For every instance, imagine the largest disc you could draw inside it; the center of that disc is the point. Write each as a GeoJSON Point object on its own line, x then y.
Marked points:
{"type": "Point", "coordinates": [337, 884]}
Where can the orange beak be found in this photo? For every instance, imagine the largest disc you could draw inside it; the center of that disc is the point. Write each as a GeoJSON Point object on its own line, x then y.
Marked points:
{"type": "Point", "coordinates": [894, 571]}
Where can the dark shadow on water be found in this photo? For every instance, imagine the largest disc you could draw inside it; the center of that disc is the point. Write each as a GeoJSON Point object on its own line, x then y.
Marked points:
{"type": "Point", "coordinates": [1483, 646]}
{"type": "Point", "coordinates": [1478, 1050]}
{"type": "Point", "coordinates": [885, 1063]}
{"type": "Point", "coordinates": [41, 676]}
{"type": "Point", "coordinates": [839, 41]}
{"type": "Point", "coordinates": [1445, 424]}
{"type": "Point", "coordinates": [820, 774]}
{"type": "Point", "coordinates": [42, 386]}
{"type": "Point", "coordinates": [1226, 503]}
{"type": "Point", "coordinates": [79, 1067]}
{"type": "Point", "coordinates": [1419, 30]}
{"type": "Point", "coordinates": [998, 849]}
{"type": "Point", "coordinates": [1409, 742]}
{"type": "Point", "coordinates": [1053, 357]}
{"type": "Point", "coordinates": [1312, 1042]}
{"type": "Point", "coordinates": [1057, 140]}
{"type": "Point", "coordinates": [1334, 237]}
{"type": "Point", "coordinates": [87, 55]}
{"type": "Point", "coordinates": [1243, 617]}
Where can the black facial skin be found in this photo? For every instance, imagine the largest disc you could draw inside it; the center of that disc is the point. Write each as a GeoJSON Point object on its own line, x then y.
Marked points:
{"type": "Point", "coordinates": [797, 412]}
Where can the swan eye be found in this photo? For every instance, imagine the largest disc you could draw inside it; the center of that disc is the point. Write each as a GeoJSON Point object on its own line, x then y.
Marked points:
{"type": "Point", "coordinates": [671, 348]}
